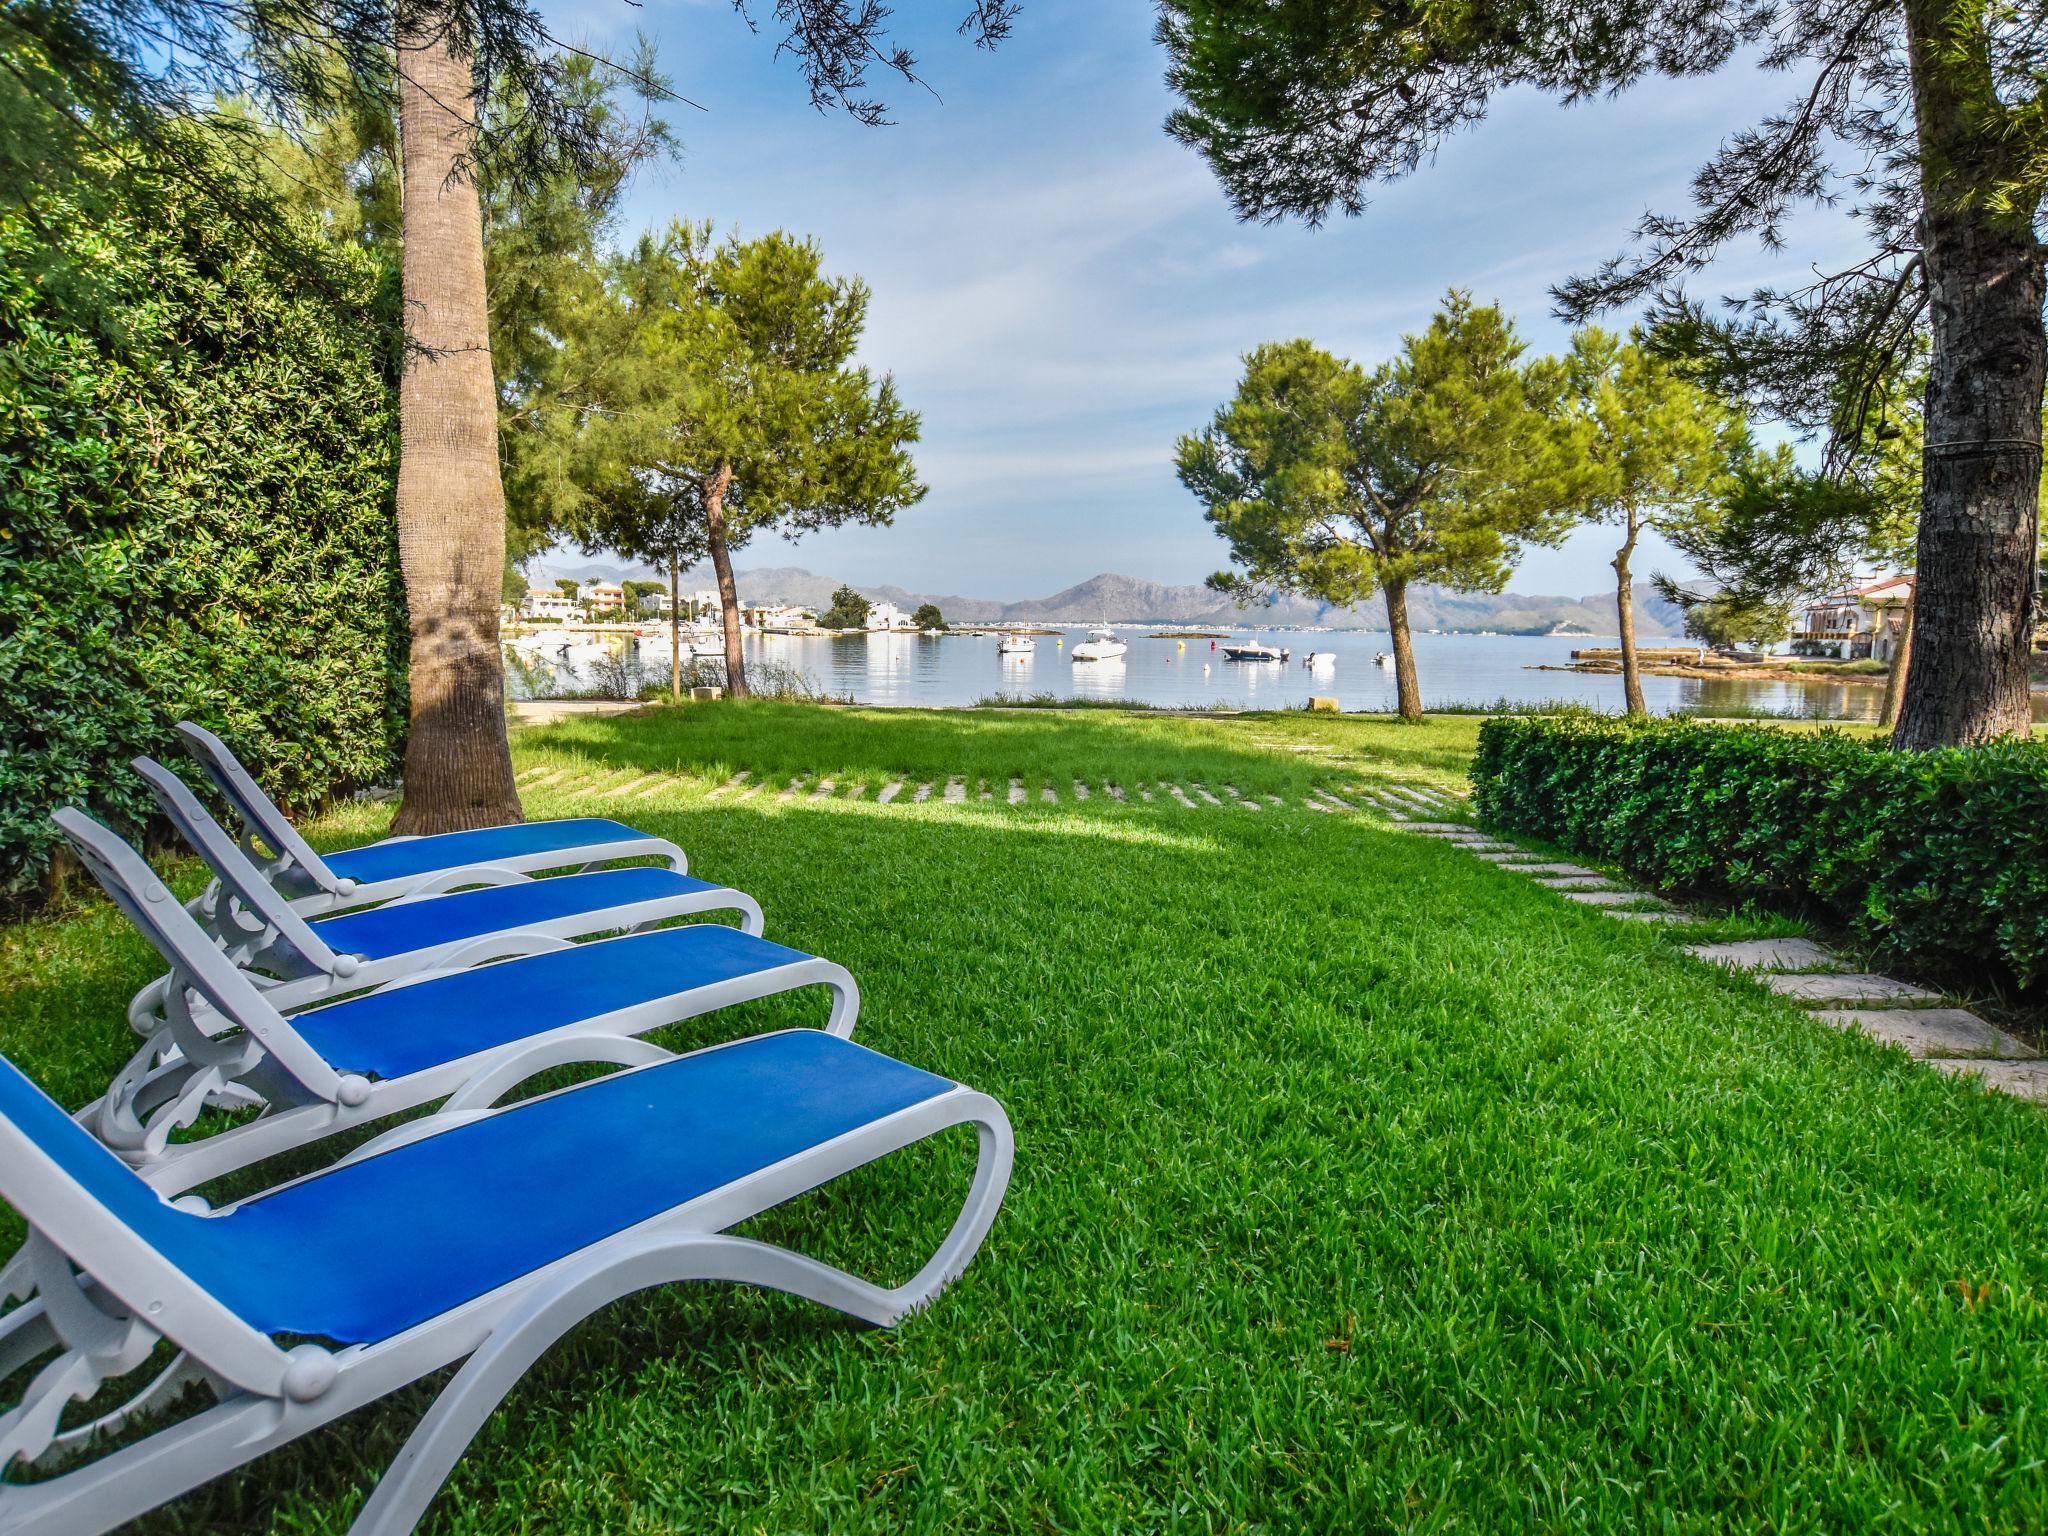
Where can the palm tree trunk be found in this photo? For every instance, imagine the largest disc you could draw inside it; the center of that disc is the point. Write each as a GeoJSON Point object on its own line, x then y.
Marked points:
{"type": "Point", "coordinates": [1407, 691]}
{"type": "Point", "coordinates": [728, 590]}
{"type": "Point", "coordinates": [675, 627]}
{"type": "Point", "coordinates": [451, 502]}
{"type": "Point", "coordinates": [1980, 507]}
{"type": "Point", "coordinates": [1625, 613]}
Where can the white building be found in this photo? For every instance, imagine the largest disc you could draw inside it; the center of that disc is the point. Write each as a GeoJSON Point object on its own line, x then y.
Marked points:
{"type": "Point", "coordinates": [1859, 624]}
{"type": "Point", "coordinates": [888, 616]}
{"type": "Point", "coordinates": [605, 597]}
{"type": "Point", "coordinates": [654, 604]}
{"type": "Point", "coordinates": [547, 605]}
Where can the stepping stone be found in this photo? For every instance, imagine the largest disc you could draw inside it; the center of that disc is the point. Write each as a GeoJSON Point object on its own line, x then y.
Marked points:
{"type": "Point", "coordinates": [543, 783]}
{"type": "Point", "coordinates": [657, 787]}
{"type": "Point", "coordinates": [982, 786]}
{"type": "Point", "coordinates": [729, 785]}
{"type": "Point", "coordinates": [1080, 790]}
{"type": "Point", "coordinates": [1045, 793]}
{"type": "Point", "coordinates": [1606, 898]}
{"type": "Point", "coordinates": [1342, 805]}
{"type": "Point", "coordinates": [1016, 791]}
{"type": "Point", "coordinates": [1439, 826]}
{"type": "Point", "coordinates": [1768, 955]}
{"type": "Point", "coordinates": [889, 792]}
{"type": "Point", "coordinates": [1145, 793]}
{"type": "Point", "coordinates": [825, 787]}
{"type": "Point", "coordinates": [1573, 871]}
{"type": "Point", "coordinates": [1930, 1031]}
{"type": "Point", "coordinates": [1116, 792]}
{"type": "Point", "coordinates": [1274, 800]}
{"type": "Point", "coordinates": [752, 790]}
{"type": "Point", "coordinates": [1464, 835]}
{"type": "Point", "coordinates": [1853, 988]}
{"type": "Point", "coordinates": [1317, 805]}
{"type": "Point", "coordinates": [956, 791]}
{"type": "Point", "coordinates": [529, 773]}
{"type": "Point", "coordinates": [1175, 791]}
{"type": "Point", "coordinates": [794, 785]}
{"type": "Point", "coordinates": [1660, 915]}
{"type": "Point", "coordinates": [858, 791]}
{"type": "Point", "coordinates": [2020, 1079]}
{"type": "Point", "coordinates": [923, 793]}
{"type": "Point", "coordinates": [1206, 796]}
{"type": "Point", "coordinates": [1574, 883]}
{"type": "Point", "coordinates": [630, 785]}
{"type": "Point", "coordinates": [1237, 799]}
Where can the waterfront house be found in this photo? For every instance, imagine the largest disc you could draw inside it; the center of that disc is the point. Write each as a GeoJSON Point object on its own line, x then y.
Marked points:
{"type": "Point", "coordinates": [887, 616]}
{"type": "Point", "coordinates": [605, 597]}
{"type": "Point", "coordinates": [539, 604]}
{"type": "Point", "coordinates": [1860, 623]}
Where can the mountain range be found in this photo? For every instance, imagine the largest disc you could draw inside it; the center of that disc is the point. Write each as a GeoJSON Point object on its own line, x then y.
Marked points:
{"type": "Point", "coordinates": [1126, 599]}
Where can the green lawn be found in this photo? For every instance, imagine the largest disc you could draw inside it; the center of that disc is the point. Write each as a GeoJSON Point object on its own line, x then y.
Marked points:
{"type": "Point", "coordinates": [1360, 1186]}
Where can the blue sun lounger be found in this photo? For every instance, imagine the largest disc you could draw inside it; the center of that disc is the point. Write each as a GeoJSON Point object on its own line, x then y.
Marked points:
{"type": "Point", "coordinates": [407, 866]}
{"type": "Point", "coordinates": [303, 960]}
{"type": "Point", "coordinates": [458, 1035]}
{"type": "Point", "coordinates": [481, 1242]}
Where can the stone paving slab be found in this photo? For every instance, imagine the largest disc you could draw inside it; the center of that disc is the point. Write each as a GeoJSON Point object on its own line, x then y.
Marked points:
{"type": "Point", "coordinates": [1654, 915]}
{"type": "Point", "coordinates": [1769, 955]}
{"type": "Point", "coordinates": [1016, 791]}
{"type": "Point", "coordinates": [1930, 1032]}
{"type": "Point", "coordinates": [1433, 826]}
{"type": "Point", "coordinates": [922, 793]}
{"type": "Point", "coordinates": [1606, 898]}
{"type": "Point", "coordinates": [1574, 871]}
{"type": "Point", "coordinates": [2021, 1079]}
{"type": "Point", "coordinates": [1575, 882]}
{"type": "Point", "coordinates": [1847, 987]}
{"type": "Point", "coordinates": [889, 792]}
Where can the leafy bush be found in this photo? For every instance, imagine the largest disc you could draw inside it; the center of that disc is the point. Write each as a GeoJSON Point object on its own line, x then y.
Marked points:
{"type": "Point", "coordinates": [196, 471]}
{"type": "Point", "coordinates": [1941, 856]}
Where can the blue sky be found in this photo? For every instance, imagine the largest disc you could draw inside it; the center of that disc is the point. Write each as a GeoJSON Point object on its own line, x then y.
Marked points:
{"type": "Point", "coordinates": [1061, 291]}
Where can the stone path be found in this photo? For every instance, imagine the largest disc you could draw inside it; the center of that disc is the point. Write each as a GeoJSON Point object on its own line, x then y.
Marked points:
{"type": "Point", "coordinates": [1951, 1040]}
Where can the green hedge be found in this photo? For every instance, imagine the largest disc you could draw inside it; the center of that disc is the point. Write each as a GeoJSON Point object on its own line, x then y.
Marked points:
{"type": "Point", "coordinates": [196, 479]}
{"type": "Point", "coordinates": [1940, 856]}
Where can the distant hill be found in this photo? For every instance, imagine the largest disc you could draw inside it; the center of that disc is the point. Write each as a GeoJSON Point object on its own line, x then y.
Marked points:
{"type": "Point", "coordinates": [1121, 599]}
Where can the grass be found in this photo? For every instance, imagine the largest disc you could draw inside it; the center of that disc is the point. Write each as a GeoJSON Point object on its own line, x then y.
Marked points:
{"type": "Point", "coordinates": [1360, 1185]}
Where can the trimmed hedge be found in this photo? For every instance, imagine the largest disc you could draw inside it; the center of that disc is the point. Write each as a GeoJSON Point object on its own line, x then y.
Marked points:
{"type": "Point", "coordinates": [196, 487]}
{"type": "Point", "coordinates": [1939, 856]}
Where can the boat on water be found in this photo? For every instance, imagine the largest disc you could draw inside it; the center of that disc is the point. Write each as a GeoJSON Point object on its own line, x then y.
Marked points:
{"type": "Point", "coordinates": [1254, 650]}
{"type": "Point", "coordinates": [1101, 645]}
{"type": "Point", "coordinates": [1017, 645]}
{"type": "Point", "coordinates": [1319, 660]}
{"type": "Point", "coordinates": [1382, 659]}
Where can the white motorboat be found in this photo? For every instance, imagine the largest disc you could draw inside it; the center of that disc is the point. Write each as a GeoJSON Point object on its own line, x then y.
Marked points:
{"type": "Point", "coordinates": [1382, 659]}
{"type": "Point", "coordinates": [1101, 645]}
{"type": "Point", "coordinates": [1254, 650]}
{"type": "Point", "coordinates": [1017, 645]}
{"type": "Point", "coordinates": [1317, 661]}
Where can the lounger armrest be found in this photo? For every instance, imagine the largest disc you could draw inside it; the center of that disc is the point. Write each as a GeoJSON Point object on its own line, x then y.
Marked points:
{"type": "Point", "coordinates": [454, 879]}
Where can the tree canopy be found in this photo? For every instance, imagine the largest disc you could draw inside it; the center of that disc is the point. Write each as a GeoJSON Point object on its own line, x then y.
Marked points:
{"type": "Point", "coordinates": [1337, 482]}
{"type": "Point", "coordinates": [724, 401]}
{"type": "Point", "coordinates": [1929, 119]}
{"type": "Point", "coordinates": [1652, 449]}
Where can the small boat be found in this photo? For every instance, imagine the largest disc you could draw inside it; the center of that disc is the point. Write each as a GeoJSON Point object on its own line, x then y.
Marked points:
{"type": "Point", "coordinates": [1017, 645]}
{"type": "Point", "coordinates": [1101, 645]}
{"type": "Point", "coordinates": [1254, 650]}
{"type": "Point", "coordinates": [1382, 659]}
{"type": "Point", "coordinates": [1319, 659]}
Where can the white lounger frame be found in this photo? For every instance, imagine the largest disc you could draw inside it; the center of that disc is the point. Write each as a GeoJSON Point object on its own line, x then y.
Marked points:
{"type": "Point", "coordinates": [261, 932]}
{"type": "Point", "coordinates": [198, 1056]}
{"type": "Point", "coordinates": [107, 1320]}
{"type": "Point", "coordinates": [290, 864]}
